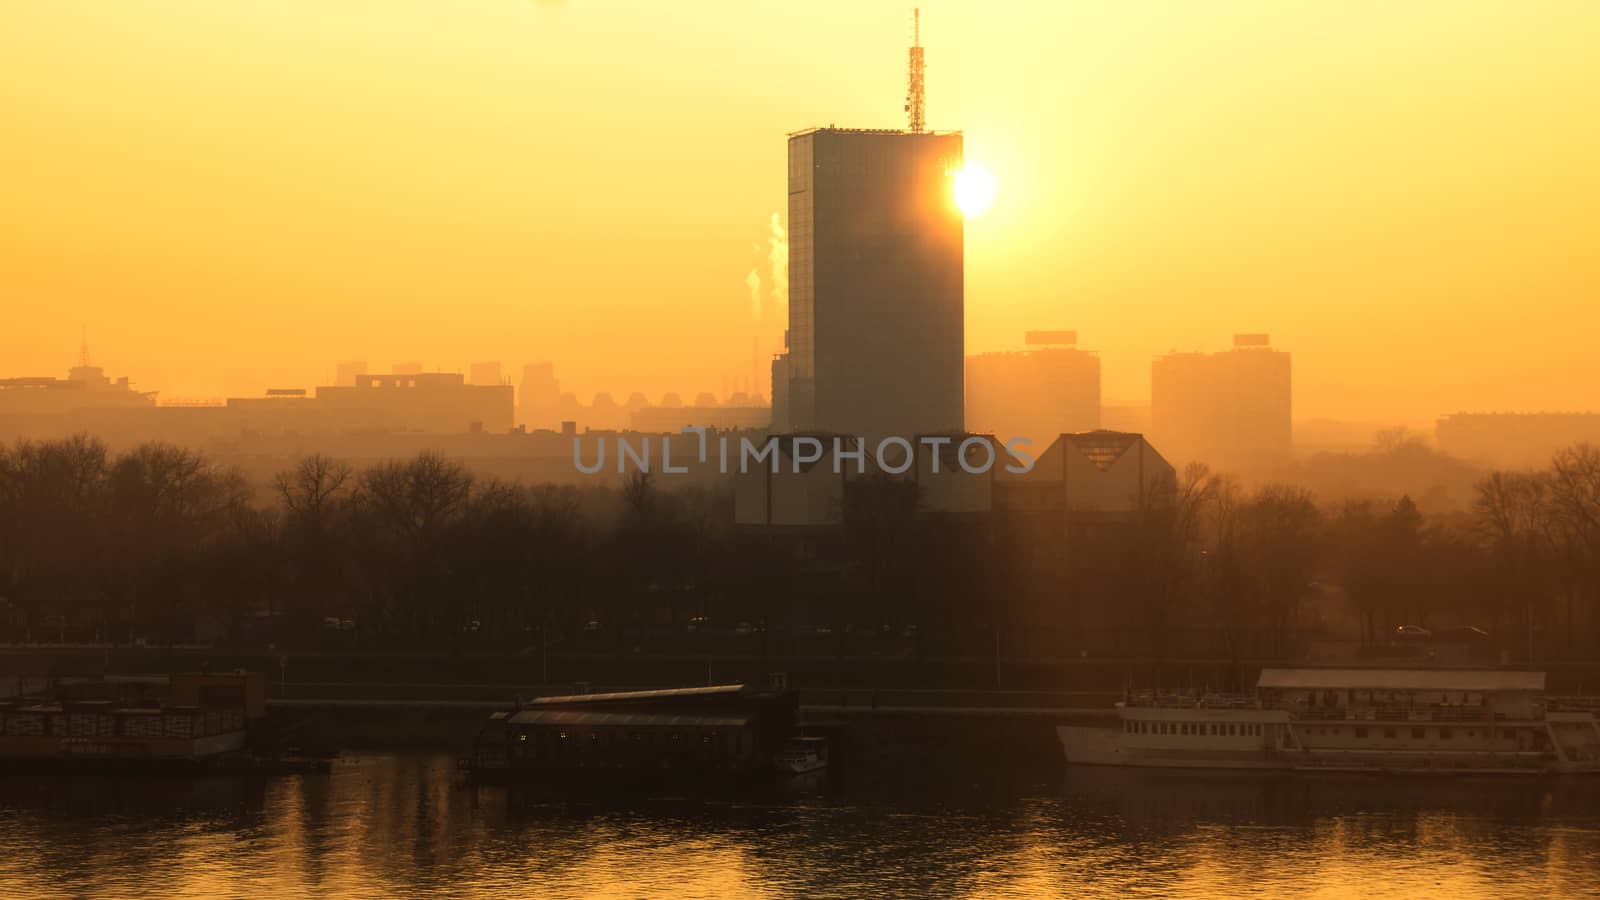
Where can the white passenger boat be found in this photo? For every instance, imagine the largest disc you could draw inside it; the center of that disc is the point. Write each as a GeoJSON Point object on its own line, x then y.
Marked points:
{"type": "Point", "coordinates": [1354, 719]}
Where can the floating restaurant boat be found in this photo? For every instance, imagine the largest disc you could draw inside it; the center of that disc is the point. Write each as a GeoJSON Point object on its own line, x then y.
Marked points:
{"type": "Point", "coordinates": [718, 730]}
{"type": "Point", "coordinates": [189, 722]}
{"type": "Point", "coordinates": [1354, 719]}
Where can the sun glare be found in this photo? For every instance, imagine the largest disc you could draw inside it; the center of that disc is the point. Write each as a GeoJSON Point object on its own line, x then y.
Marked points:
{"type": "Point", "coordinates": [974, 189]}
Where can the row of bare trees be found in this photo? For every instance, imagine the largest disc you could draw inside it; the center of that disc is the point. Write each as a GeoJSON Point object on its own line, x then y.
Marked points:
{"type": "Point", "coordinates": [1541, 529]}
{"type": "Point", "coordinates": [1261, 570]}
{"type": "Point", "coordinates": [420, 551]}
{"type": "Point", "coordinates": [157, 539]}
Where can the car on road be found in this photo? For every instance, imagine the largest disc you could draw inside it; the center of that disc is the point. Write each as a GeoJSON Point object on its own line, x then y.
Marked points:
{"type": "Point", "coordinates": [1411, 633]}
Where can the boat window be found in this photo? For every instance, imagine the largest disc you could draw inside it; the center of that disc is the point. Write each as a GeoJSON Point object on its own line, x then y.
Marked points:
{"type": "Point", "coordinates": [1361, 732]}
{"type": "Point", "coordinates": [1388, 732]}
{"type": "Point", "coordinates": [1445, 734]}
{"type": "Point", "coordinates": [1419, 733]}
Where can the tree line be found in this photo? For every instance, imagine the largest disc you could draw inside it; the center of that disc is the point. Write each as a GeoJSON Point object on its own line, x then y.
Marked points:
{"type": "Point", "coordinates": [156, 541]}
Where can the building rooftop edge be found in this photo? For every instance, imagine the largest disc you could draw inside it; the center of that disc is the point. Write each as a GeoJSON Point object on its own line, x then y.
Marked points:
{"type": "Point", "coordinates": [834, 128]}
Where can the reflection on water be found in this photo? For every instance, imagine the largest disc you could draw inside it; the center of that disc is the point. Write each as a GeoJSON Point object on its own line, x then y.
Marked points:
{"type": "Point", "coordinates": [403, 826]}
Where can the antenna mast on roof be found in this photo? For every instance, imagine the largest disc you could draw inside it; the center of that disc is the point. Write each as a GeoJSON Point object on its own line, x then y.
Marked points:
{"type": "Point", "coordinates": [914, 90]}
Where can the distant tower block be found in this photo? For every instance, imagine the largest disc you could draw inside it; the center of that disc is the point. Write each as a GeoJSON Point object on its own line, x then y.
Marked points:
{"type": "Point", "coordinates": [346, 373]}
{"type": "Point", "coordinates": [916, 100]}
{"type": "Point", "coordinates": [485, 373]}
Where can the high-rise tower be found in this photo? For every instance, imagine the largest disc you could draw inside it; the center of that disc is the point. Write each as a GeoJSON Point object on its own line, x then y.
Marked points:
{"type": "Point", "coordinates": [875, 278]}
{"type": "Point", "coordinates": [875, 282]}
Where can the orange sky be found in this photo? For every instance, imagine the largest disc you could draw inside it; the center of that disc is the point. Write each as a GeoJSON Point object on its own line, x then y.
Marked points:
{"type": "Point", "coordinates": [237, 195]}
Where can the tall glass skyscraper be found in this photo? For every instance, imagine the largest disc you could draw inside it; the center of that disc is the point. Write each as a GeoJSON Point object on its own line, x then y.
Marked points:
{"type": "Point", "coordinates": [875, 282]}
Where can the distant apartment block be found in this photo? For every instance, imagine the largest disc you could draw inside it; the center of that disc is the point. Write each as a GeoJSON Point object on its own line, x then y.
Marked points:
{"type": "Point", "coordinates": [1230, 410]}
{"type": "Point", "coordinates": [539, 397]}
{"type": "Point", "coordinates": [1514, 439]}
{"type": "Point", "coordinates": [430, 401]}
{"type": "Point", "coordinates": [484, 374]}
{"type": "Point", "coordinates": [1049, 388]}
{"type": "Point", "coordinates": [346, 373]}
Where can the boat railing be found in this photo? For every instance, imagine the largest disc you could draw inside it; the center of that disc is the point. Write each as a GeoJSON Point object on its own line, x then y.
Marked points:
{"type": "Point", "coordinates": [1189, 700]}
{"type": "Point", "coordinates": [1573, 703]}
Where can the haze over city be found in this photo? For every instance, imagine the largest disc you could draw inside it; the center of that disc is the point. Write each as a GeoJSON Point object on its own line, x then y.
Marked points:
{"type": "Point", "coordinates": [235, 196]}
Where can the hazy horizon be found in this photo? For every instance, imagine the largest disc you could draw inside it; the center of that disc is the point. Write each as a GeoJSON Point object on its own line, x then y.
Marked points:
{"type": "Point", "coordinates": [238, 197]}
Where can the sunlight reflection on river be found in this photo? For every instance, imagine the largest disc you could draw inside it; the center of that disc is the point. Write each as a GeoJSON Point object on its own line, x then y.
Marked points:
{"type": "Point", "coordinates": [404, 825]}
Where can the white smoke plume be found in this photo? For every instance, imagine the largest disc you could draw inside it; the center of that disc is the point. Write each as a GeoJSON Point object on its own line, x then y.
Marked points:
{"type": "Point", "coordinates": [753, 282]}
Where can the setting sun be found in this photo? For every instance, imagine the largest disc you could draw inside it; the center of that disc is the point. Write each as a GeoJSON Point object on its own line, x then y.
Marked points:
{"type": "Point", "coordinates": [974, 189]}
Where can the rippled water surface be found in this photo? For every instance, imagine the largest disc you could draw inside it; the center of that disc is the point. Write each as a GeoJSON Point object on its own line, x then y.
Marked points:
{"type": "Point", "coordinates": [396, 826]}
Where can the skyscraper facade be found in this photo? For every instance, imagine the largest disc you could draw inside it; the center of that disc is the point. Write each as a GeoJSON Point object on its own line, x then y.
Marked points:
{"type": "Point", "coordinates": [875, 282]}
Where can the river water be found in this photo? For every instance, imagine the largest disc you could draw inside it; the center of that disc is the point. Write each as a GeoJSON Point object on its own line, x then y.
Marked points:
{"type": "Point", "coordinates": [404, 826]}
